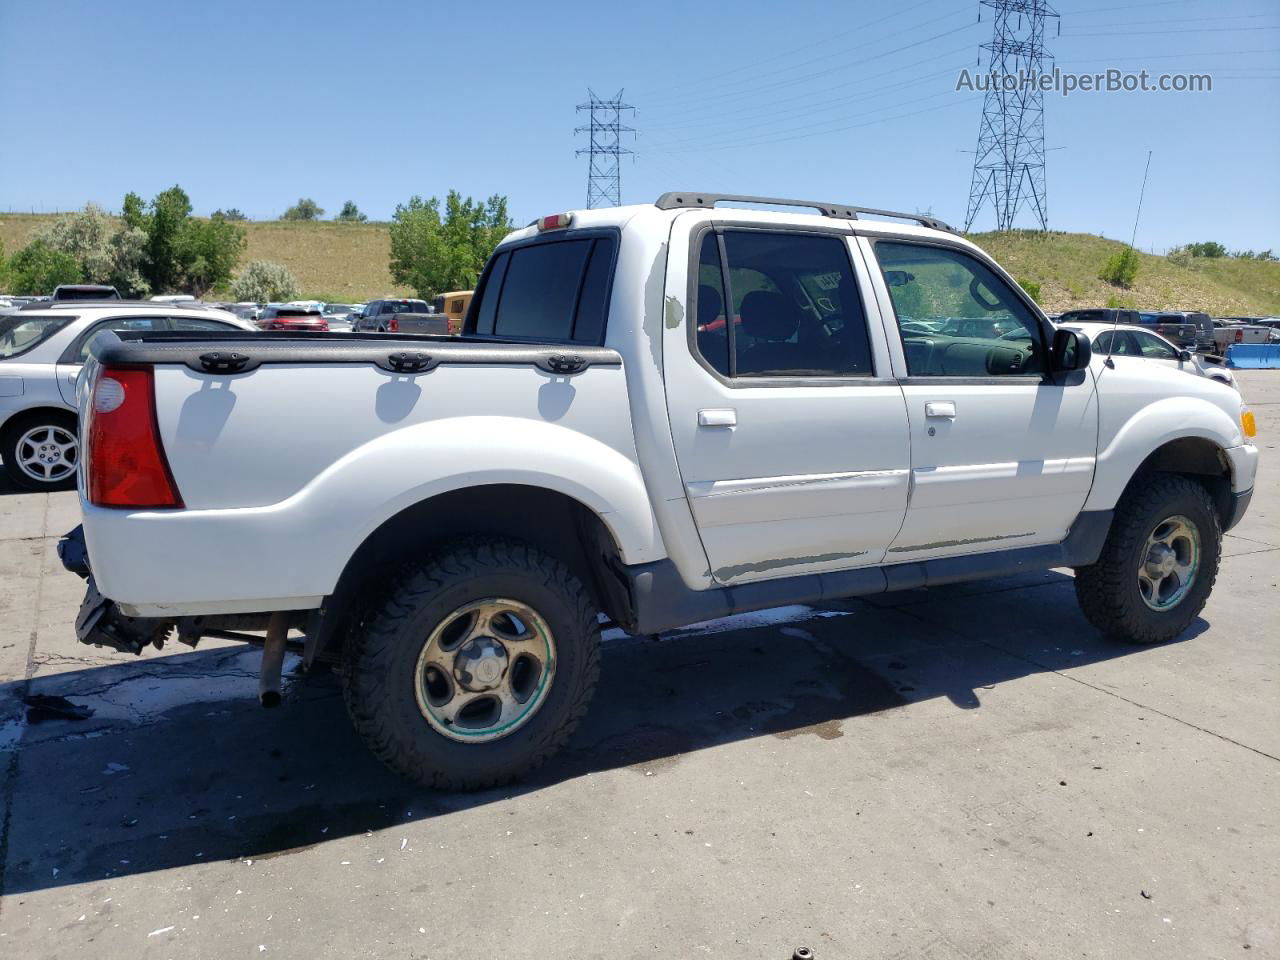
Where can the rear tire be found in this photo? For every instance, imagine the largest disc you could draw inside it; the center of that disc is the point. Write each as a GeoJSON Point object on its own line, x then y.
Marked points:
{"type": "Point", "coordinates": [1165, 523]}
{"type": "Point", "coordinates": [41, 450]}
{"type": "Point", "coordinates": [407, 665]}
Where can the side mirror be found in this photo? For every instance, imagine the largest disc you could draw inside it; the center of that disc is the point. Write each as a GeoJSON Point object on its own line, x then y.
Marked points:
{"type": "Point", "coordinates": [1071, 350]}
{"type": "Point", "coordinates": [1184, 356]}
{"type": "Point", "coordinates": [898, 278]}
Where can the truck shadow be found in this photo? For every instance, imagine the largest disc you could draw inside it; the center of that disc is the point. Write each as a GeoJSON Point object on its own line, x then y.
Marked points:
{"type": "Point", "coordinates": [177, 765]}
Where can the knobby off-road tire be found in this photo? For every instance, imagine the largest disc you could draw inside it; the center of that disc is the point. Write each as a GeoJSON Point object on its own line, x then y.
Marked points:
{"type": "Point", "coordinates": [1111, 592]}
{"type": "Point", "coordinates": [415, 633]}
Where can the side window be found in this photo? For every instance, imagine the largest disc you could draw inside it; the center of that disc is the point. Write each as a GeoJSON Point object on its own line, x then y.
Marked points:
{"type": "Point", "coordinates": [713, 335]}
{"type": "Point", "coordinates": [956, 316]}
{"type": "Point", "coordinates": [1154, 348]}
{"type": "Point", "coordinates": [117, 324]}
{"type": "Point", "coordinates": [554, 290]}
{"type": "Point", "coordinates": [794, 308]}
{"type": "Point", "coordinates": [201, 324]}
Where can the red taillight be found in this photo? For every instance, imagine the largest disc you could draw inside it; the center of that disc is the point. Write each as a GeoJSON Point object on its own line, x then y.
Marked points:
{"type": "Point", "coordinates": [394, 324]}
{"type": "Point", "coordinates": [126, 465]}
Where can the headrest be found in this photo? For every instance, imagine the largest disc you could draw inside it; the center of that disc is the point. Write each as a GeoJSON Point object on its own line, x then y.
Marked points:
{"type": "Point", "coordinates": [769, 316]}
{"type": "Point", "coordinates": [709, 303]}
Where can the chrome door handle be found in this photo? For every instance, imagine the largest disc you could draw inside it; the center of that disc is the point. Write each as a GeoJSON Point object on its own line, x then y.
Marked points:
{"type": "Point", "coordinates": [940, 408]}
{"type": "Point", "coordinates": [718, 418]}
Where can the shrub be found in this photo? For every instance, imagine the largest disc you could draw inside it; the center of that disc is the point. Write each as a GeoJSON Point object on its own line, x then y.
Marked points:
{"type": "Point", "coordinates": [208, 250]}
{"type": "Point", "coordinates": [1122, 303]}
{"type": "Point", "coordinates": [304, 209]}
{"type": "Point", "coordinates": [37, 268]}
{"type": "Point", "coordinates": [1032, 289]}
{"type": "Point", "coordinates": [105, 252]}
{"type": "Point", "coordinates": [1210, 250]}
{"type": "Point", "coordinates": [262, 281]}
{"type": "Point", "coordinates": [1121, 269]}
{"type": "Point", "coordinates": [232, 214]}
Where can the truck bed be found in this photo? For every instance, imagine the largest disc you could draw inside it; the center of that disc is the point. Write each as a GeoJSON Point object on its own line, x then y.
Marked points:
{"type": "Point", "coordinates": [289, 449]}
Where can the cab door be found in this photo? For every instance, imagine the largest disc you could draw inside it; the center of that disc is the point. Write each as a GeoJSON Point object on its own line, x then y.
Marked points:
{"type": "Point", "coordinates": [1002, 450]}
{"type": "Point", "coordinates": [791, 438]}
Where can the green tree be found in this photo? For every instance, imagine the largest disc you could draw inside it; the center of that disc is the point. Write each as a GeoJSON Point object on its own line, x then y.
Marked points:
{"type": "Point", "coordinates": [304, 209]}
{"type": "Point", "coordinates": [37, 268]}
{"type": "Point", "coordinates": [165, 222]}
{"type": "Point", "coordinates": [351, 213]}
{"type": "Point", "coordinates": [232, 214]}
{"type": "Point", "coordinates": [262, 281]}
{"type": "Point", "coordinates": [433, 253]}
{"type": "Point", "coordinates": [1121, 269]}
{"type": "Point", "coordinates": [1210, 250]}
{"type": "Point", "coordinates": [207, 251]}
{"type": "Point", "coordinates": [106, 252]}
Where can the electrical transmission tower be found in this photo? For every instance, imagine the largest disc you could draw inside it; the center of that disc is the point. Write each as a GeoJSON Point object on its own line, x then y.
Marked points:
{"type": "Point", "coordinates": [604, 148]}
{"type": "Point", "coordinates": [1008, 169]}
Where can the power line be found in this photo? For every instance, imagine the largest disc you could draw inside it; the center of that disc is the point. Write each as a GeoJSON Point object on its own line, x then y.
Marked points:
{"type": "Point", "coordinates": [604, 148]}
{"type": "Point", "coordinates": [683, 87]}
{"type": "Point", "coordinates": [1008, 166]}
{"type": "Point", "coordinates": [1155, 33]}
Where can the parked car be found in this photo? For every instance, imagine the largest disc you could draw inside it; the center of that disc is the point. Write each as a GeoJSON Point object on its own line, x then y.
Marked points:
{"type": "Point", "coordinates": [400, 316]}
{"type": "Point", "coordinates": [84, 291]}
{"type": "Point", "coordinates": [459, 513]}
{"type": "Point", "coordinates": [41, 355]}
{"type": "Point", "coordinates": [292, 318]}
{"type": "Point", "coordinates": [1127, 340]}
{"type": "Point", "coordinates": [1170, 327]}
{"type": "Point", "coordinates": [1225, 336]}
{"type": "Point", "coordinates": [453, 305]}
{"type": "Point", "coordinates": [1202, 322]}
{"type": "Point", "coordinates": [245, 310]}
{"type": "Point", "coordinates": [339, 316]}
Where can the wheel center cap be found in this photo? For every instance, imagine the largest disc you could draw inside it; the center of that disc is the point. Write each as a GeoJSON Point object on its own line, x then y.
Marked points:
{"type": "Point", "coordinates": [1161, 561]}
{"type": "Point", "coordinates": [480, 664]}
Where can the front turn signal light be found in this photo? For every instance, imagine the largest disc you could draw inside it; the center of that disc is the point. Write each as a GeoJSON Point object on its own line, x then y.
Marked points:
{"type": "Point", "coordinates": [1247, 423]}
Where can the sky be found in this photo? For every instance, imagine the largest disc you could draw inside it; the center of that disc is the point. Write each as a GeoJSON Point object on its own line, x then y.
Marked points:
{"type": "Point", "coordinates": [255, 104]}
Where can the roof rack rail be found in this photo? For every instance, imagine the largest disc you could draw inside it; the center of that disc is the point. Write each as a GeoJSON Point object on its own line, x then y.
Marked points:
{"type": "Point", "coordinates": [675, 200]}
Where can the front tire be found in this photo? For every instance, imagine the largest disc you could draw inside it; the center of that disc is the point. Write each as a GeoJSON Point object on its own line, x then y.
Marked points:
{"type": "Point", "coordinates": [1158, 564]}
{"type": "Point", "coordinates": [476, 668]}
{"type": "Point", "coordinates": [41, 451]}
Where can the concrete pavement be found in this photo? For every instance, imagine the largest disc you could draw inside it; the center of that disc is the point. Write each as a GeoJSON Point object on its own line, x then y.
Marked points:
{"type": "Point", "coordinates": [968, 772]}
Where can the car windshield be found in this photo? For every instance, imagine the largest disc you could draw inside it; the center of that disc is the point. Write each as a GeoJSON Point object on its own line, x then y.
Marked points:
{"type": "Point", "coordinates": [18, 334]}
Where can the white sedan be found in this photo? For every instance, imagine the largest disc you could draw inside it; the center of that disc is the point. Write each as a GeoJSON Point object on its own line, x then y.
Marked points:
{"type": "Point", "coordinates": [42, 349]}
{"type": "Point", "coordinates": [1127, 340]}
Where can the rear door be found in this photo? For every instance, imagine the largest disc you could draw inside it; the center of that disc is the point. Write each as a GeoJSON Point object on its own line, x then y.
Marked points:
{"type": "Point", "coordinates": [1002, 454]}
{"type": "Point", "coordinates": [791, 436]}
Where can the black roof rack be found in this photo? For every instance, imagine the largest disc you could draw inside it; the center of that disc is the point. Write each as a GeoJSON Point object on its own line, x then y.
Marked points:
{"type": "Point", "coordinates": [675, 200]}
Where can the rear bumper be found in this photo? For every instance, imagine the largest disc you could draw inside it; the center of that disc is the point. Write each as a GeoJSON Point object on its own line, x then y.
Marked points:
{"type": "Point", "coordinates": [99, 622]}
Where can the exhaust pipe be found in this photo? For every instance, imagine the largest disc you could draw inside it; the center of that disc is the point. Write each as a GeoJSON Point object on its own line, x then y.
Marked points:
{"type": "Point", "coordinates": [273, 659]}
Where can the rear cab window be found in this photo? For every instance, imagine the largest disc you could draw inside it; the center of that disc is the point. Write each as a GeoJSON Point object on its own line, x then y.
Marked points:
{"type": "Point", "coordinates": [21, 334]}
{"type": "Point", "coordinates": [550, 289]}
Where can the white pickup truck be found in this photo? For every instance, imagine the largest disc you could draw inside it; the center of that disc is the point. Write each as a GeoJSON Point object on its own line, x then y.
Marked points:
{"type": "Point", "coordinates": [656, 415]}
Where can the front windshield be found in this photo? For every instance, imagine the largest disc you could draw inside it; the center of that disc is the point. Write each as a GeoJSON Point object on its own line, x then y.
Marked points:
{"type": "Point", "coordinates": [19, 334]}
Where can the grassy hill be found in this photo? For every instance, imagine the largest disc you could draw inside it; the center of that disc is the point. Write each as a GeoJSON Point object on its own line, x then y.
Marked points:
{"type": "Point", "coordinates": [348, 261]}
{"type": "Point", "coordinates": [1066, 266]}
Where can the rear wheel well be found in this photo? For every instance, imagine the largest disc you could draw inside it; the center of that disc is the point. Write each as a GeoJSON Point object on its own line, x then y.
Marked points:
{"type": "Point", "coordinates": [556, 523]}
{"type": "Point", "coordinates": [1194, 457]}
{"type": "Point", "coordinates": [36, 414]}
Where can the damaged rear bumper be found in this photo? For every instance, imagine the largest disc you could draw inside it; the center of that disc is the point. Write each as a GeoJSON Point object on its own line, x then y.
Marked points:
{"type": "Point", "coordinates": [100, 622]}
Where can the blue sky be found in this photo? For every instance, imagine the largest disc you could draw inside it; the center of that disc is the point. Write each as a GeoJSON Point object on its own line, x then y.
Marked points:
{"type": "Point", "coordinates": [253, 104]}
